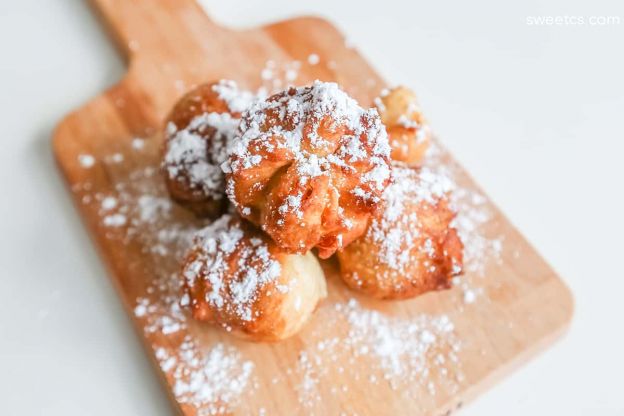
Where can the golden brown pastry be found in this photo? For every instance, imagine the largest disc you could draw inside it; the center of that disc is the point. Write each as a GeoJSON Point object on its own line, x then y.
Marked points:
{"type": "Point", "coordinates": [197, 134]}
{"type": "Point", "coordinates": [408, 132]}
{"type": "Point", "coordinates": [309, 166]}
{"type": "Point", "coordinates": [234, 276]}
{"type": "Point", "coordinates": [410, 246]}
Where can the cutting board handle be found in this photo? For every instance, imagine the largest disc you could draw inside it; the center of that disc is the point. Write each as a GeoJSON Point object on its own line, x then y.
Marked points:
{"type": "Point", "coordinates": [138, 26]}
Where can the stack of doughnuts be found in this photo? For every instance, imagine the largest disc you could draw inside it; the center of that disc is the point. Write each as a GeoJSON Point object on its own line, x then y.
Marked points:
{"type": "Point", "coordinates": [304, 173]}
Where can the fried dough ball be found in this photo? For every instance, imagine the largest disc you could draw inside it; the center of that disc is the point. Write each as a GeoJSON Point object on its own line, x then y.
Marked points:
{"type": "Point", "coordinates": [410, 246]}
{"type": "Point", "coordinates": [408, 132]}
{"type": "Point", "coordinates": [198, 131]}
{"type": "Point", "coordinates": [309, 166]}
{"type": "Point", "coordinates": [236, 277]}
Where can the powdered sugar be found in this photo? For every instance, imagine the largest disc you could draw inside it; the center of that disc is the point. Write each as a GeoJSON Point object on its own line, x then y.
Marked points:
{"type": "Point", "coordinates": [313, 59]}
{"type": "Point", "coordinates": [398, 228]}
{"type": "Point", "coordinates": [378, 101]}
{"type": "Point", "coordinates": [194, 158]}
{"type": "Point", "coordinates": [114, 220]}
{"type": "Point", "coordinates": [151, 207]}
{"type": "Point", "coordinates": [233, 290]}
{"type": "Point", "coordinates": [86, 161]}
{"type": "Point", "coordinates": [138, 143]}
{"type": "Point", "coordinates": [211, 381]}
{"type": "Point", "coordinates": [237, 100]}
{"type": "Point", "coordinates": [196, 151]}
{"type": "Point", "coordinates": [470, 296]}
{"type": "Point", "coordinates": [116, 158]}
{"type": "Point", "coordinates": [139, 208]}
{"type": "Point", "coordinates": [352, 340]}
{"type": "Point", "coordinates": [153, 233]}
{"type": "Point", "coordinates": [109, 203]}
{"type": "Point", "coordinates": [312, 105]}
{"type": "Point", "coordinates": [163, 316]}
{"type": "Point", "coordinates": [474, 215]}
{"type": "Point", "coordinates": [364, 346]}
{"type": "Point", "coordinates": [401, 346]}
{"type": "Point", "coordinates": [276, 76]}
{"type": "Point", "coordinates": [416, 355]}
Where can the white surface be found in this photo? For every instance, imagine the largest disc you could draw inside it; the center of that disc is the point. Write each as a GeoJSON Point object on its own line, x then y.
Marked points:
{"type": "Point", "coordinates": [536, 114]}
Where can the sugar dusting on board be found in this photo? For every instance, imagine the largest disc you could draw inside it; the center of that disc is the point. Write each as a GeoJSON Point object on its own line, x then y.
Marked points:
{"type": "Point", "coordinates": [419, 357]}
{"type": "Point", "coordinates": [400, 345]}
{"type": "Point", "coordinates": [86, 160]}
{"type": "Point", "coordinates": [138, 211]}
{"type": "Point", "coordinates": [276, 76]}
{"type": "Point", "coordinates": [474, 215]}
{"type": "Point", "coordinates": [414, 356]}
{"type": "Point", "coordinates": [209, 381]}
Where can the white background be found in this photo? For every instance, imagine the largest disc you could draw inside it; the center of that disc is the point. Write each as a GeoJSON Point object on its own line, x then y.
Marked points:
{"type": "Point", "coordinates": [536, 114]}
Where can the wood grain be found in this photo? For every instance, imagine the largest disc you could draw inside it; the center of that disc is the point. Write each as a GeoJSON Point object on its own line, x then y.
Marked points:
{"type": "Point", "coordinates": [170, 46]}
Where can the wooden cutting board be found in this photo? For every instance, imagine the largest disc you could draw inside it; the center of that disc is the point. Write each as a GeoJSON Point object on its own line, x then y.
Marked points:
{"type": "Point", "coordinates": [423, 356]}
